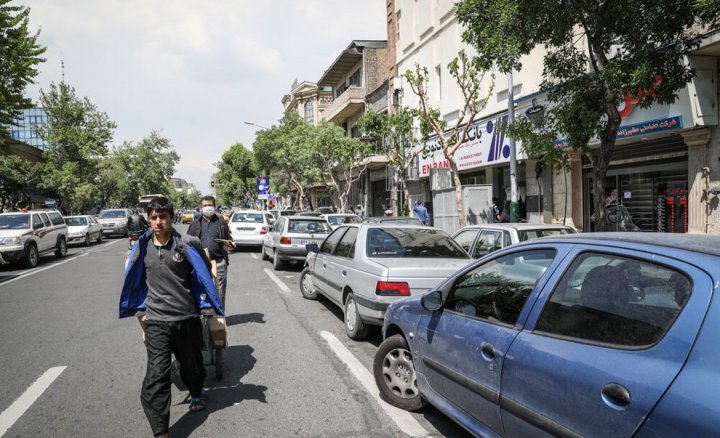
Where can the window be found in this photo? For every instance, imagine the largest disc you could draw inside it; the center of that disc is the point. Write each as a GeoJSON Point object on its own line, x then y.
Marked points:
{"type": "Point", "coordinates": [346, 247]}
{"type": "Point", "coordinates": [438, 72]}
{"type": "Point", "coordinates": [356, 78]}
{"type": "Point", "coordinates": [615, 300]}
{"type": "Point", "coordinates": [497, 290]}
{"type": "Point", "coordinates": [398, 25]}
{"type": "Point", "coordinates": [466, 238]}
{"type": "Point", "coordinates": [524, 235]}
{"type": "Point", "coordinates": [37, 222]}
{"type": "Point", "coordinates": [411, 242]}
{"type": "Point", "coordinates": [488, 242]}
{"type": "Point", "coordinates": [309, 113]}
{"type": "Point", "coordinates": [328, 245]}
{"type": "Point", "coordinates": [56, 218]}
{"type": "Point", "coordinates": [45, 219]}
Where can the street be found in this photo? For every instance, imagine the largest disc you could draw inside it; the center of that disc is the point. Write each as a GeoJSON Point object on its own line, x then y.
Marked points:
{"type": "Point", "coordinates": [70, 367]}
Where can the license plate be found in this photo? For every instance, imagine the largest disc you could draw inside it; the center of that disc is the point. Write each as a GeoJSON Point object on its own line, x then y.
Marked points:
{"type": "Point", "coordinates": [305, 242]}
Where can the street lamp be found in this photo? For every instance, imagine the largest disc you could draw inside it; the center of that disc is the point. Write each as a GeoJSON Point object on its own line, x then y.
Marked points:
{"type": "Point", "coordinates": [255, 124]}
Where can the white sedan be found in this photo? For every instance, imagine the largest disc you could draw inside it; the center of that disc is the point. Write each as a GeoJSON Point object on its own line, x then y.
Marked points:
{"type": "Point", "coordinates": [83, 229]}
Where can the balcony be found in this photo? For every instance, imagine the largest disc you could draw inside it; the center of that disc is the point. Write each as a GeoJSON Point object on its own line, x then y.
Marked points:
{"type": "Point", "coordinates": [345, 105]}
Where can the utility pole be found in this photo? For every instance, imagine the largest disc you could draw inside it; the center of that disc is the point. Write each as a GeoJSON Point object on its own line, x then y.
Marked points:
{"type": "Point", "coordinates": [514, 210]}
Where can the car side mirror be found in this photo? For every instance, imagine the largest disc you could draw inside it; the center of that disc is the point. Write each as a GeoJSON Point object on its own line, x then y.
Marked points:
{"type": "Point", "coordinates": [312, 247]}
{"type": "Point", "coordinates": [432, 301]}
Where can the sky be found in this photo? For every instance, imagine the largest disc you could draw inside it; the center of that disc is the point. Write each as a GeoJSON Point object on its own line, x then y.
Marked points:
{"type": "Point", "coordinates": [194, 70]}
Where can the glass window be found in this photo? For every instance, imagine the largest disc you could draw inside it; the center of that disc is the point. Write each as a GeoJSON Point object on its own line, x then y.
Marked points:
{"type": "Point", "coordinates": [309, 112]}
{"type": "Point", "coordinates": [615, 300]}
{"type": "Point", "coordinates": [45, 219]}
{"type": "Point", "coordinates": [466, 238]}
{"type": "Point", "coordinates": [356, 78]}
{"type": "Point", "coordinates": [37, 222]}
{"type": "Point", "coordinates": [113, 214]}
{"type": "Point", "coordinates": [535, 234]}
{"type": "Point", "coordinates": [328, 245]}
{"type": "Point", "coordinates": [18, 221]}
{"type": "Point", "coordinates": [248, 217]}
{"type": "Point", "coordinates": [497, 290]}
{"type": "Point", "coordinates": [56, 218]}
{"type": "Point", "coordinates": [411, 242]}
{"type": "Point", "coordinates": [346, 247]}
{"type": "Point", "coordinates": [308, 226]}
{"type": "Point", "coordinates": [488, 242]}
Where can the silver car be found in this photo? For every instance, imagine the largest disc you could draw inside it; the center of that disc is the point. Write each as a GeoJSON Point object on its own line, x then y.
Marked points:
{"type": "Point", "coordinates": [249, 227]}
{"type": "Point", "coordinates": [481, 240]}
{"type": "Point", "coordinates": [289, 236]}
{"type": "Point", "coordinates": [114, 221]}
{"type": "Point", "coordinates": [83, 229]}
{"type": "Point", "coordinates": [364, 267]}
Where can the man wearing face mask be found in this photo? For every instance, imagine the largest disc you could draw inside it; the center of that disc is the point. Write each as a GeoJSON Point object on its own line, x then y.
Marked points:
{"type": "Point", "coordinates": [208, 228]}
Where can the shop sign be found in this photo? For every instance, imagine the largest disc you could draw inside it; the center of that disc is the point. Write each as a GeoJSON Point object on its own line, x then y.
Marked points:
{"type": "Point", "coordinates": [645, 128]}
{"type": "Point", "coordinates": [486, 144]}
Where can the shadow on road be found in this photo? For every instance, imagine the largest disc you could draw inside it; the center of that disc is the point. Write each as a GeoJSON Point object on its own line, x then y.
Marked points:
{"type": "Point", "coordinates": [245, 318]}
{"type": "Point", "coordinates": [374, 332]}
{"type": "Point", "coordinates": [223, 393]}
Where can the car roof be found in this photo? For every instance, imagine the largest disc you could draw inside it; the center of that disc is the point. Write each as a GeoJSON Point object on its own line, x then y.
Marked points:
{"type": "Point", "coordinates": [299, 216]}
{"type": "Point", "coordinates": [517, 226]}
{"type": "Point", "coordinates": [701, 243]}
{"type": "Point", "coordinates": [247, 211]}
{"type": "Point", "coordinates": [76, 215]}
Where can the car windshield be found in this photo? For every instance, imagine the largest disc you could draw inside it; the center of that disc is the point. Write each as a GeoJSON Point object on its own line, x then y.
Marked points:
{"type": "Point", "coordinates": [412, 242]}
{"type": "Point", "coordinates": [75, 221]}
{"type": "Point", "coordinates": [247, 217]}
{"type": "Point", "coordinates": [308, 226]}
{"type": "Point", "coordinates": [540, 232]}
{"type": "Point", "coordinates": [14, 221]}
{"type": "Point", "coordinates": [112, 214]}
{"type": "Point", "coordinates": [338, 220]}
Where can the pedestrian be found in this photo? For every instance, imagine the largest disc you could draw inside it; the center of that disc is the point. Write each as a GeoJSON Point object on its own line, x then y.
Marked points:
{"type": "Point", "coordinates": [421, 212]}
{"type": "Point", "coordinates": [360, 211]}
{"type": "Point", "coordinates": [494, 211]}
{"type": "Point", "coordinates": [352, 209]}
{"type": "Point", "coordinates": [21, 206]}
{"type": "Point", "coordinates": [387, 211]}
{"type": "Point", "coordinates": [211, 227]}
{"type": "Point", "coordinates": [167, 285]}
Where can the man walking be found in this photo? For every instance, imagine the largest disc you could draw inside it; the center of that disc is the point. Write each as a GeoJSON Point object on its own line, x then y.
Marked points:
{"type": "Point", "coordinates": [209, 227]}
{"type": "Point", "coordinates": [168, 284]}
{"type": "Point", "coordinates": [421, 212]}
{"type": "Point", "coordinates": [494, 211]}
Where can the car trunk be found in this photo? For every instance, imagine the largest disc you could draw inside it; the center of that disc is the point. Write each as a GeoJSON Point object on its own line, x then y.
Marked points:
{"type": "Point", "coordinates": [421, 274]}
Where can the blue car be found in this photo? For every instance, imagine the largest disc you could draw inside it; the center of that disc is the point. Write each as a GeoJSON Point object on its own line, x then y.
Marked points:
{"type": "Point", "coordinates": [596, 335]}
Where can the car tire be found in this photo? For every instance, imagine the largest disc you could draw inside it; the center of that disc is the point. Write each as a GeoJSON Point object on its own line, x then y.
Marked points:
{"type": "Point", "coordinates": [61, 248]}
{"type": "Point", "coordinates": [277, 263]}
{"type": "Point", "coordinates": [354, 327]}
{"type": "Point", "coordinates": [264, 254]}
{"type": "Point", "coordinates": [87, 239]}
{"type": "Point", "coordinates": [99, 238]}
{"type": "Point", "coordinates": [306, 287]}
{"type": "Point", "coordinates": [126, 233]}
{"type": "Point", "coordinates": [31, 258]}
{"type": "Point", "coordinates": [395, 374]}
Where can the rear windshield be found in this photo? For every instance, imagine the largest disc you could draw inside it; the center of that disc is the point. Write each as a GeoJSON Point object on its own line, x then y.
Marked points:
{"type": "Point", "coordinates": [401, 221]}
{"type": "Point", "coordinates": [535, 234]}
{"type": "Point", "coordinates": [339, 220]}
{"type": "Point", "coordinates": [412, 242]}
{"type": "Point", "coordinates": [248, 217]}
{"type": "Point", "coordinates": [112, 214]}
{"type": "Point", "coordinates": [15, 221]}
{"type": "Point", "coordinates": [308, 226]}
{"type": "Point", "coordinates": [71, 221]}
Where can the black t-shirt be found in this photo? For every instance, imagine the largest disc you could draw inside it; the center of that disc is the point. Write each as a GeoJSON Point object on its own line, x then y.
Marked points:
{"type": "Point", "coordinates": [209, 231]}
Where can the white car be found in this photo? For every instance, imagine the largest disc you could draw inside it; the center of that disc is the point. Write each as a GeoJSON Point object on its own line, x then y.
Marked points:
{"type": "Point", "coordinates": [26, 236]}
{"type": "Point", "coordinates": [337, 219]}
{"type": "Point", "coordinates": [248, 227]}
{"type": "Point", "coordinates": [481, 240]}
{"type": "Point", "coordinates": [83, 229]}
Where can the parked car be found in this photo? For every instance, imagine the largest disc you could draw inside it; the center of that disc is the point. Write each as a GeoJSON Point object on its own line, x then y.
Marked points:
{"type": "Point", "coordinates": [25, 237]}
{"type": "Point", "coordinates": [287, 212]}
{"type": "Point", "coordinates": [480, 240]}
{"type": "Point", "coordinates": [83, 229]}
{"type": "Point", "coordinates": [289, 236]}
{"type": "Point", "coordinates": [249, 227]}
{"type": "Point", "coordinates": [407, 220]}
{"type": "Point", "coordinates": [362, 268]}
{"type": "Point", "coordinates": [549, 337]}
{"type": "Point", "coordinates": [114, 221]}
{"type": "Point", "coordinates": [187, 216]}
{"type": "Point", "coordinates": [337, 219]}
{"type": "Point", "coordinates": [325, 210]}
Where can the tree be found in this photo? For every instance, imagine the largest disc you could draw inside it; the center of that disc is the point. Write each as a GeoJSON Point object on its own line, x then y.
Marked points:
{"type": "Point", "coordinates": [78, 135]}
{"type": "Point", "coordinates": [469, 75]}
{"type": "Point", "coordinates": [595, 58]}
{"type": "Point", "coordinates": [394, 133]}
{"type": "Point", "coordinates": [236, 176]}
{"type": "Point", "coordinates": [19, 56]}
{"type": "Point", "coordinates": [16, 175]}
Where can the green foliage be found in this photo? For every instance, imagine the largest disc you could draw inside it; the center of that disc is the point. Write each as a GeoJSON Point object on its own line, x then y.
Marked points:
{"type": "Point", "coordinates": [236, 177]}
{"type": "Point", "coordinates": [183, 198]}
{"type": "Point", "coordinates": [16, 175]}
{"type": "Point", "coordinates": [19, 56]}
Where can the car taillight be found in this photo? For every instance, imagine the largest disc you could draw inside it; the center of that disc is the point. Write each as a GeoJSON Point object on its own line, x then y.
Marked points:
{"type": "Point", "coordinates": [263, 230]}
{"type": "Point", "coordinates": [284, 240]}
{"type": "Point", "coordinates": [392, 289]}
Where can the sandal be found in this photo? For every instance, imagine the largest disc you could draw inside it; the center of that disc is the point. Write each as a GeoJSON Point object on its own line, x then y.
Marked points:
{"type": "Point", "coordinates": [197, 404]}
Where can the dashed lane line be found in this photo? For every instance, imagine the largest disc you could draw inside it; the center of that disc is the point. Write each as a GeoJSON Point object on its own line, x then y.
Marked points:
{"type": "Point", "coordinates": [10, 415]}
{"type": "Point", "coordinates": [283, 287]}
{"type": "Point", "coordinates": [253, 255]}
{"type": "Point", "coordinates": [27, 274]}
{"type": "Point", "coordinates": [404, 421]}
{"type": "Point", "coordinates": [113, 242]}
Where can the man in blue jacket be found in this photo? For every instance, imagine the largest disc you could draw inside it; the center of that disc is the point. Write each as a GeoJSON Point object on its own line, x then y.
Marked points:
{"type": "Point", "coordinates": [168, 278]}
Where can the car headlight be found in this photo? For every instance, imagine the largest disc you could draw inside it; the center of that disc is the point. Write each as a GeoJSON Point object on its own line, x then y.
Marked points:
{"type": "Point", "coordinates": [11, 240]}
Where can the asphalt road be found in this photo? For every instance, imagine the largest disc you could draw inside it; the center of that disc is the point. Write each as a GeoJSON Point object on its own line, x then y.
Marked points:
{"type": "Point", "coordinates": [290, 369]}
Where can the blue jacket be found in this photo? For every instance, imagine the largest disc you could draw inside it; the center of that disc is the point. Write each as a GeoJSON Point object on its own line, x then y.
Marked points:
{"type": "Point", "coordinates": [135, 290]}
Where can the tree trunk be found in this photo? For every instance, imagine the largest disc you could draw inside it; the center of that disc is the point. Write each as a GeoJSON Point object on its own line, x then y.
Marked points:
{"type": "Point", "coordinates": [600, 165]}
{"type": "Point", "coordinates": [458, 194]}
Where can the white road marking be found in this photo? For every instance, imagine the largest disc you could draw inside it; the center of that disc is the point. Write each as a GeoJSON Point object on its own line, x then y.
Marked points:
{"type": "Point", "coordinates": [114, 241]}
{"type": "Point", "coordinates": [253, 255]}
{"type": "Point", "coordinates": [406, 422]}
{"type": "Point", "coordinates": [27, 274]}
{"type": "Point", "coordinates": [23, 403]}
{"type": "Point", "coordinates": [283, 287]}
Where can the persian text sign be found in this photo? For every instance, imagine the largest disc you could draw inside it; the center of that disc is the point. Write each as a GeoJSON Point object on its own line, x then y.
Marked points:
{"type": "Point", "coordinates": [644, 128]}
{"type": "Point", "coordinates": [486, 145]}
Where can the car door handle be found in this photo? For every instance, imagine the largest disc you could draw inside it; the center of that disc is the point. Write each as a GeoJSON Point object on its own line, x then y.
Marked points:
{"type": "Point", "coordinates": [487, 350]}
{"type": "Point", "coordinates": [615, 395]}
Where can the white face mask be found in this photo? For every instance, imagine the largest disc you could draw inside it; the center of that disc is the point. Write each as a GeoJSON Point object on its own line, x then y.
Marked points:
{"type": "Point", "coordinates": [208, 211]}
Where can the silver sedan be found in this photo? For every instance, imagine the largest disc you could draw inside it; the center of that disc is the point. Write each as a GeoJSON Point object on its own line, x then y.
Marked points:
{"type": "Point", "coordinates": [287, 239]}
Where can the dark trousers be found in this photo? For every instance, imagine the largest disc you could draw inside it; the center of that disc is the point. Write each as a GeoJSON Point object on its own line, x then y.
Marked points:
{"type": "Point", "coordinates": [184, 340]}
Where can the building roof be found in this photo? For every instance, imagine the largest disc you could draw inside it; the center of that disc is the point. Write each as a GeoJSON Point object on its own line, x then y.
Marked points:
{"type": "Point", "coordinates": [347, 59]}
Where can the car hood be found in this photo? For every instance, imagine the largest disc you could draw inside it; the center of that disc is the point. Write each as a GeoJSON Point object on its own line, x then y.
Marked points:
{"type": "Point", "coordinates": [112, 220]}
{"type": "Point", "coordinates": [77, 228]}
{"type": "Point", "coordinates": [13, 233]}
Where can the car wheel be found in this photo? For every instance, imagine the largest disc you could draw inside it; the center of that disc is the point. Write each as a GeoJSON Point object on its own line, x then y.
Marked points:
{"type": "Point", "coordinates": [354, 327]}
{"type": "Point", "coordinates": [264, 254]}
{"type": "Point", "coordinates": [395, 374]}
{"type": "Point", "coordinates": [87, 239]}
{"type": "Point", "coordinates": [99, 238]}
{"type": "Point", "coordinates": [31, 256]}
{"type": "Point", "coordinates": [306, 285]}
{"type": "Point", "coordinates": [277, 263]}
{"type": "Point", "coordinates": [61, 249]}
{"type": "Point", "coordinates": [126, 233]}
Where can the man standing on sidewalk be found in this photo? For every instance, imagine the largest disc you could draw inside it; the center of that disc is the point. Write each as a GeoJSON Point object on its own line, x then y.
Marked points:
{"type": "Point", "coordinates": [421, 212]}
{"type": "Point", "coordinates": [209, 227]}
{"type": "Point", "coordinates": [168, 284]}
